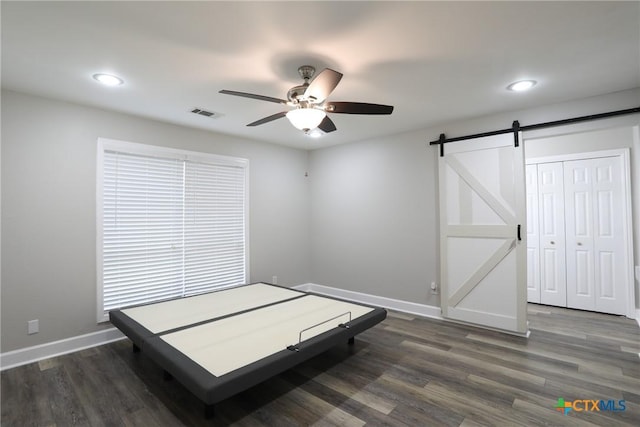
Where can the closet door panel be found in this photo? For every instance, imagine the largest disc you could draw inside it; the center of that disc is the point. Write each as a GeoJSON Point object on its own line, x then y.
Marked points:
{"type": "Point", "coordinates": [579, 234]}
{"type": "Point", "coordinates": [552, 234]}
{"type": "Point", "coordinates": [610, 267]}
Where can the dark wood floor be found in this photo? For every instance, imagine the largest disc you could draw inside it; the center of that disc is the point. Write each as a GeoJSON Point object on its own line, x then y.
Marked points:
{"type": "Point", "coordinates": [406, 371]}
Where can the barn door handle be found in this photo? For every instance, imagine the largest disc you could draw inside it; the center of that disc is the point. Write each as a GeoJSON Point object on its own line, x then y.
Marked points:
{"type": "Point", "coordinates": [519, 237]}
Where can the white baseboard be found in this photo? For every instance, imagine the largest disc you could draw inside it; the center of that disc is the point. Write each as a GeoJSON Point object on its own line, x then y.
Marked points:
{"type": "Point", "coordinates": [390, 303]}
{"type": "Point", "coordinates": [12, 359]}
{"type": "Point", "coordinates": [638, 316]}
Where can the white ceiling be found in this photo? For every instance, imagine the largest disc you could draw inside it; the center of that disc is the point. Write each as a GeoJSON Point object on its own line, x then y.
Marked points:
{"type": "Point", "coordinates": [434, 61]}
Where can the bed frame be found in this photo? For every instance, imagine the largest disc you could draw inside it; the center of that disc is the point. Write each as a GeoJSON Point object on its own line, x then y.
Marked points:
{"type": "Point", "coordinates": [195, 340]}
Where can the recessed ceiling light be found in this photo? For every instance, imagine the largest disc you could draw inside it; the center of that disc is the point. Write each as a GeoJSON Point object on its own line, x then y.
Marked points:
{"type": "Point", "coordinates": [108, 79]}
{"type": "Point", "coordinates": [522, 85]}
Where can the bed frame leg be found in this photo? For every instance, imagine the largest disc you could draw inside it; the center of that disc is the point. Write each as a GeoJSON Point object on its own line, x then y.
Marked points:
{"type": "Point", "coordinates": [209, 411]}
{"type": "Point", "coordinates": [136, 349]}
{"type": "Point", "coordinates": [167, 376]}
{"type": "Point", "coordinates": [352, 340]}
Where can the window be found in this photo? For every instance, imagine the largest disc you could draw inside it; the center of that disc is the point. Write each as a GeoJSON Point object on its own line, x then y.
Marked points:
{"type": "Point", "coordinates": [171, 223]}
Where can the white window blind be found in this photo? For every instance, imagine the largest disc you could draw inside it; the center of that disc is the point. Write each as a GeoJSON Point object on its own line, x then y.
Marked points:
{"type": "Point", "coordinates": [171, 224]}
{"type": "Point", "coordinates": [214, 227]}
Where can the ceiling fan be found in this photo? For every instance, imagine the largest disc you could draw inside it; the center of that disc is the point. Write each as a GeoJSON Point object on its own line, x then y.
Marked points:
{"type": "Point", "coordinates": [309, 102]}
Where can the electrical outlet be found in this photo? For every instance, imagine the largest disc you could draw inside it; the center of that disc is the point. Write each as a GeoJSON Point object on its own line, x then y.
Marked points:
{"type": "Point", "coordinates": [274, 280]}
{"type": "Point", "coordinates": [33, 327]}
{"type": "Point", "coordinates": [434, 288]}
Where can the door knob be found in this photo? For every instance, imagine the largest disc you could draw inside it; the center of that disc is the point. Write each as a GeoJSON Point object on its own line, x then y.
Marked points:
{"type": "Point", "coordinates": [579, 244]}
{"type": "Point", "coordinates": [553, 243]}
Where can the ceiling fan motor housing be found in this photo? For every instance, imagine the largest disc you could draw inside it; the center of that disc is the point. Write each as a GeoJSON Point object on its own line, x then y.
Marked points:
{"type": "Point", "coordinates": [306, 72]}
{"type": "Point", "coordinates": [297, 92]}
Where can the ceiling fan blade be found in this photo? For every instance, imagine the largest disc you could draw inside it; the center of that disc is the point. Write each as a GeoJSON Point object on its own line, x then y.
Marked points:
{"type": "Point", "coordinates": [254, 96]}
{"type": "Point", "coordinates": [327, 125]}
{"type": "Point", "coordinates": [357, 108]}
{"type": "Point", "coordinates": [268, 119]}
{"type": "Point", "coordinates": [323, 84]}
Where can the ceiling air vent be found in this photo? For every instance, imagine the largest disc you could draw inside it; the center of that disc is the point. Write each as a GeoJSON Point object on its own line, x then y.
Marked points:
{"type": "Point", "coordinates": [205, 112]}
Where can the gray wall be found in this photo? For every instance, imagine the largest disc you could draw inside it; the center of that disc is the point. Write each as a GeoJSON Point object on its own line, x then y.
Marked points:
{"type": "Point", "coordinates": [374, 216]}
{"type": "Point", "coordinates": [374, 223]}
{"type": "Point", "coordinates": [49, 209]}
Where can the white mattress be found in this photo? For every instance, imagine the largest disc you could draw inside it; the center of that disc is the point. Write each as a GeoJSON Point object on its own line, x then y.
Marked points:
{"type": "Point", "coordinates": [168, 315]}
{"type": "Point", "coordinates": [231, 343]}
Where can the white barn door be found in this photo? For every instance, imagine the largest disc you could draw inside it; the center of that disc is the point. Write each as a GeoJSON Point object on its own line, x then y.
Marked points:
{"type": "Point", "coordinates": [483, 233]}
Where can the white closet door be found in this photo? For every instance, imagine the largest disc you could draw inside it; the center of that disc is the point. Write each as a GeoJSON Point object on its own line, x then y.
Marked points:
{"type": "Point", "coordinates": [533, 235]}
{"type": "Point", "coordinates": [580, 245]}
{"type": "Point", "coordinates": [596, 267]}
{"type": "Point", "coordinates": [552, 234]}
{"type": "Point", "coordinates": [482, 205]}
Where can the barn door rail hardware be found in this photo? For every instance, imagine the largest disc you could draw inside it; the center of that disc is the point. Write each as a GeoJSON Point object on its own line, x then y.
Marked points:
{"type": "Point", "coordinates": [515, 128]}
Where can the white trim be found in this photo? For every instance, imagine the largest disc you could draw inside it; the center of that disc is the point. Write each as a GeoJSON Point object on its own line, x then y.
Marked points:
{"type": "Point", "coordinates": [168, 152]}
{"type": "Point", "coordinates": [638, 319]}
{"type": "Point", "coordinates": [12, 359]}
{"type": "Point", "coordinates": [101, 316]}
{"type": "Point", "coordinates": [390, 303]}
{"type": "Point", "coordinates": [578, 156]}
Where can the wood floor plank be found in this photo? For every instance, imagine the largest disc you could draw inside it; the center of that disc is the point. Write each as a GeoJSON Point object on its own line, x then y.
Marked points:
{"type": "Point", "coordinates": [433, 396]}
{"type": "Point", "coordinates": [426, 415]}
{"type": "Point", "coordinates": [605, 374]}
{"type": "Point", "coordinates": [63, 400]}
{"type": "Point", "coordinates": [539, 395]}
{"type": "Point", "coordinates": [575, 354]}
{"type": "Point", "coordinates": [92, 396]}
{"type": "Point", "coordinates": [470, 364]}
{"type": "Point", "coordinates": [348, 389]}
{"type": "Point", "coordinates": [344, 402]}
{"type": "Point", "coordinates": [26, 390]}
{"type": "Point", "coordinates": [325, 413]}
{"type": "Point", "coordinates": [478, 409]}
{"type": "Point", "coordinates": [516, 356]}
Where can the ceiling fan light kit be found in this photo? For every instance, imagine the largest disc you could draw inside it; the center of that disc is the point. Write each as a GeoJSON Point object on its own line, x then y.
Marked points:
{"type": "Point", "coordinates": [306, 119]}
{"type": "Point", "coordinates": [308, 99]}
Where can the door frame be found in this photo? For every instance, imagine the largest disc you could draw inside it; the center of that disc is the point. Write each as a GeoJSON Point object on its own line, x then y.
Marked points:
{"type": "Point", "coordinates": [625, 155]}
{"type": "Point", "coordinates": [533, 230]}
